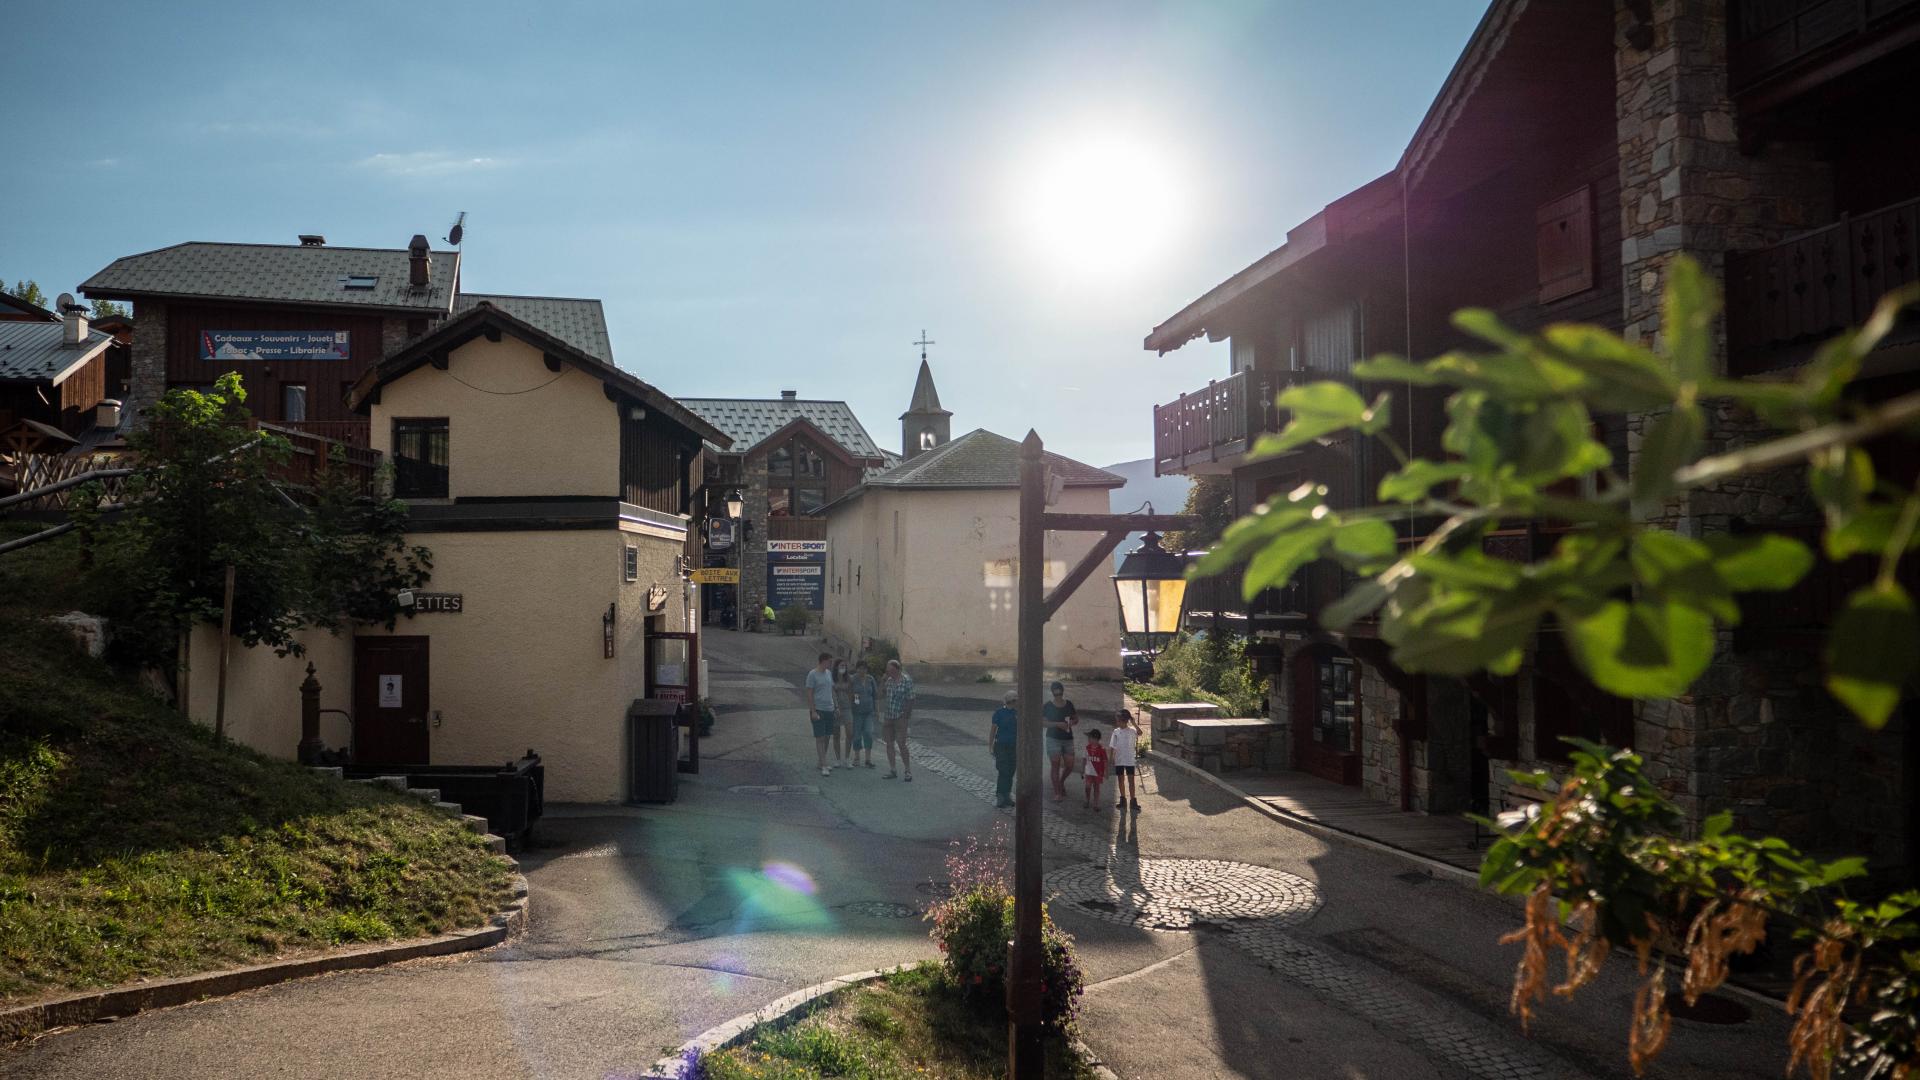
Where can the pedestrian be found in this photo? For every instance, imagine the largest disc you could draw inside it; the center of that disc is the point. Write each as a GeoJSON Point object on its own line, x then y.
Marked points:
{"type": "Point", "coordinates": [1001, 739]}
{"type": "Point", "coordinates": [820, 708]}
{"type": "Point", "coordinates": [896, 712]}
{"type": "Point", "coordinates": [1060, 718]}
{"type": "Point", "coordinates": [865, 691]}
{"type": "Point", "coordinates": [1096, 770]}
{"type": "Point", "coordinates": [842, 714]}
{"type": "Point", "coordinates": [1126, 766]}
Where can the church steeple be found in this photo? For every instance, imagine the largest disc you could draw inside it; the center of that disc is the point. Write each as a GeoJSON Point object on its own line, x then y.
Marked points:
{"type": "Point", "coordinates": [925, 424]}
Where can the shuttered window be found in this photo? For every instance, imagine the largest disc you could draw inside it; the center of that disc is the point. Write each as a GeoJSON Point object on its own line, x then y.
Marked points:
{"type": "Point", "coordinates": [1564, 245]}
{"type": "Point", "coordinates": [1330, 340]}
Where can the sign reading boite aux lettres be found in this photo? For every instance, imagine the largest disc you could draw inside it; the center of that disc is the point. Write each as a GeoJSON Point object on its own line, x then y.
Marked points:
{"type": "Point", "coordinates": [797, 574]}
{"type": "Point", "coordinates": [275, 345]}
{"type": "Point", "coordinates": [716, 575]}
{"type": "Point", "coordinates": [450, 602]}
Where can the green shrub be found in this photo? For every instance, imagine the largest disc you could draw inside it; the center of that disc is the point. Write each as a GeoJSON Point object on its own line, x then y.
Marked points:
{"type": "Point", "coordinates": [878, 654]}
{"type": "Point", "coordinates": [1212, 669]}
{"type": "Point", "coordinates": [973, 928]}
{"type": "Point", "coordinates": [792, 619]}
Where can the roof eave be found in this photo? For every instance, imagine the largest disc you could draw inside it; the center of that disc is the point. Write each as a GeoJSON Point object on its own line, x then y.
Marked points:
{"type": "Point", "coordinates": [95, 292]}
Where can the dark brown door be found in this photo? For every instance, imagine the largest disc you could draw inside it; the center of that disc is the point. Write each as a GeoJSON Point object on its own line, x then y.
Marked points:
{"type": "Point", "coordinates": [390, 700]}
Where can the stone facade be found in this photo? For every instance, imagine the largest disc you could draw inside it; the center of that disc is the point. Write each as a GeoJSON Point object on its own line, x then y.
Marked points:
{"type": "Point", "coordinates": [752, 557]}
{"type": "Point", "coordinates": [148, 357]}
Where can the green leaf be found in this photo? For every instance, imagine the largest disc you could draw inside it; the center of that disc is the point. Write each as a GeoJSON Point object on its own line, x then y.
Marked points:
{"type": "Point", "coordinates": [1671, 441]}
{"type": "Point", "coordinates": [1555, 443]}
{"type": "Point", "coordinates": [1869, 532]}
{"type": "Point", "coordinates": [1317, 409]}
{"type": "Point", "coordinates": [1387, 367]}
{"type": "Point", "coordinates": [1459, 633]}
{"type": "Point", "coordinates": [1362, 600]}
{"type": "Point", "coordinates": [1285, 554]}
{"type": "Point", "coordinates": [1367, 542]}
{"type": "Point", "coordinates": [1639, 649]}
{"type": "Point", "coordinates": [1378, 415]}
{"type": "Point", "coordinates": [1872, 651]}
{"type": "Point", "coordinates": [1412, 483]}
{"type": "Point", "coordinates": [1487, 326]}
{"type": "Point", "coordinates": [1687, 311]}
{"type": "Point", "coordinates": [1716, 824]}
{"type": "Point", "coordinates": [1621, 376]}
{"type": "Point", "coordinates": [1674, 569]}
{"type": "Point", "coordinates": [1841, 477]}
{"type": "Point", "coordinates": [1767, 562]}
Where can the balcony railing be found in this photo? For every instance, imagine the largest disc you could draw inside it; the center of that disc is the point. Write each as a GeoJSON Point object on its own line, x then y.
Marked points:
{"type": "Point", "coordinates": [1220, 421]}
{"type": "Point", "coordinates": [1784, 300]}
{"type": "Point", "coordinates": [1769, 37]}
{"type": "Point", "coordinates": [351, 432]}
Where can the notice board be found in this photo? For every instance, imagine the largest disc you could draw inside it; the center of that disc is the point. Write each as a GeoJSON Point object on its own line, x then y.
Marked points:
{"type": "Point", "coordinates": [797, 574]}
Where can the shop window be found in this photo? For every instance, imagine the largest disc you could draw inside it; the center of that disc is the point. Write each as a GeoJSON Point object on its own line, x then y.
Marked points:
{"type": "Point", "coordinates": [1336, 702]}
{"type": "Point", "coordinates": [1563, 242]}
{"type": "Point", "coordinates": [293, 402]}
{"type": "Point", "coordinates": [633, 563]}
{"type": "Point", "coordinates": [420, 458]}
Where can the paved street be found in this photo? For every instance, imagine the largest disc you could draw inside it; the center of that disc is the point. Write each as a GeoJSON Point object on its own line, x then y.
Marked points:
{"type": "Point", "coordinates": [1218, 943]}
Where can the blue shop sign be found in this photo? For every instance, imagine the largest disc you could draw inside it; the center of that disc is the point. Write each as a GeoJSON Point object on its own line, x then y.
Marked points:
{"type": "Point", "coordinates": [275, 345]}
{"type": "Point", "coordinates": [797, 574]}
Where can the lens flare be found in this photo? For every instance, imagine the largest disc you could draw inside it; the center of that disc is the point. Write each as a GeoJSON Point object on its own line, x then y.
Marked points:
{"type": "Point", "coordinates": [788, 876]}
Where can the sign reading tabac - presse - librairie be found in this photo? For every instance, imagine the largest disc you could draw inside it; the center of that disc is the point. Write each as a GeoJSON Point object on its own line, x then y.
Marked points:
{"type": "Point", "coordinates": [797, 574]}
{"type": "Point", "coordinates": [276, 345]}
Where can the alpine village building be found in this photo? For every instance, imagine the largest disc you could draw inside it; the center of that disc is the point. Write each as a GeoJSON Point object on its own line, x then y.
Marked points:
{"type": "Point", "coordinates": [555, 491]}
{"type": "Point", "coordinates": [1574, 151]}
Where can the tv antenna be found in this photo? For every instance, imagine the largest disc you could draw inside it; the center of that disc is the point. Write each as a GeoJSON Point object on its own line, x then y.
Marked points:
{"type": "Point", "coordinates": [923, 343]}
{"type": "Point", "coordinates": [460, 228]}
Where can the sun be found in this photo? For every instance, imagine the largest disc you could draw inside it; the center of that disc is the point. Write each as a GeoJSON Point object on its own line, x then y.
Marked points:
{"type": "Point", "coordinates": [1100, 204]}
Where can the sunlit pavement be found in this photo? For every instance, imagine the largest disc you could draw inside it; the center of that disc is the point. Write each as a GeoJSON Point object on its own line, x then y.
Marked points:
{"type": "Point", "coordinates": [1278, 955]}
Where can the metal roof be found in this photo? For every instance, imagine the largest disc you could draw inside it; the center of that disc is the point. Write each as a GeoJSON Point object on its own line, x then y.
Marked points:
{"type": "Point", "coordinates": [34, 351]}
{"type": "Point", "coordinates": [287, 273]}
{"type": "Point", "coordinates": [982, 459]}
{"type": "Point", "coordinates": [580, 323]}
{"type": "Point", "coordinates": [751, 420]}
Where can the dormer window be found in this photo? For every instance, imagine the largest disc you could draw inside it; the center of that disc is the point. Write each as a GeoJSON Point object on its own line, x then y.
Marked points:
{"type": "Point", "coordinates": [359, 281]}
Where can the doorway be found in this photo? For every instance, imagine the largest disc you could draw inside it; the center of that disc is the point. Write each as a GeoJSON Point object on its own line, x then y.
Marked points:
{"type": "Point", "coordinates": [1326, 714]}
{"type": "Point", "coordinates": [390, 700]}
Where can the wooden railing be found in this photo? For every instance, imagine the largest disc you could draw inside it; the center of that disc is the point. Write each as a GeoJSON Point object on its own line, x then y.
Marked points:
{"type": "Point", "coordinates": [356, 433]}
{"type": "Point", "coordinates": [1219, 420]}
{"type": "Point", "coordinates": [313, 455]}
{"type": "Point", "coordinates": [1768, 37]}
{"type": "Point", "coordinates": [1785, 299]}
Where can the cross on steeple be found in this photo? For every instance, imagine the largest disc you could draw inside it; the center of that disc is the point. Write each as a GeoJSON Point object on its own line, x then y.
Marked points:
{"type": "Point", "coordinates": [923, 343]}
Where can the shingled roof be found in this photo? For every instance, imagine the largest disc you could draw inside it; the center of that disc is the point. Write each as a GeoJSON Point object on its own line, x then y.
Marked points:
{"type": "Point", "coordinates": [36, 351]}
{"type": "Point", "coordinates": [284, 273]}
{"type": "Point", "coordinates": [982, 459]}
{"type": "Point", "coordinates": [580, 323]}
{"type": "Point", "coordinates": [751, 420]}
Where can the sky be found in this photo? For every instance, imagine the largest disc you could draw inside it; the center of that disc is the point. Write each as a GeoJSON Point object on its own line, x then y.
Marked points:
{"type": "Point", "coordinates": [767, 196]}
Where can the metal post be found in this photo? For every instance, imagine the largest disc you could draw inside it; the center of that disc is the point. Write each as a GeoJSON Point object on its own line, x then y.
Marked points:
{"type": "Point", "coordinates": [1025, 1043]}
{"type": "Point", "coordinates": [308, 752]}
{"type": "Point", "coordinates": [226, 632]}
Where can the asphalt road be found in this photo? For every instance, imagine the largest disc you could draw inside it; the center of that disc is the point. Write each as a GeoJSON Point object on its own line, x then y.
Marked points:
{"type": "Point", "coordinates": [652, 924]}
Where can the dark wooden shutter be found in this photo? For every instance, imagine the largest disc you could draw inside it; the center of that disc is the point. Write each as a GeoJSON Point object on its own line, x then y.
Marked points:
{"type": "Point", "coordinates": [1564, 244]}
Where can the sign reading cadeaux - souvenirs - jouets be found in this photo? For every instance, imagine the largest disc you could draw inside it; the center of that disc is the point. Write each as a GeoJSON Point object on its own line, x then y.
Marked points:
{"type": "Point", "coordinates": [797, 574]}
{"type": "Point", "coordinates": [275, 345]}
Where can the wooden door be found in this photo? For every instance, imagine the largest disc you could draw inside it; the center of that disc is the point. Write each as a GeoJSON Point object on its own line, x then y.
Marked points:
{"type": "Point", "coordinates": [390, 700]}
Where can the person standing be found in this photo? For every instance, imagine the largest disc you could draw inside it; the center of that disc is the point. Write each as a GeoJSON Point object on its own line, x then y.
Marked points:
{"type": "Point", "coordinates": [865, 693]}
{"type": "Point", "coordinates": [1125, 759]}
{"type": "Point", "coordinates": [1060, 718]}
{"type": "Point", "coordinates": [842, 714]}
{"type": "Point", "coordinates": [1002, 737]}
{"type": "Point", "coordinates": [896, 712]}
{"type": "Point", "coordinates": [1096, 767]}
{"type": "Point", "coordinates": [820, 708]}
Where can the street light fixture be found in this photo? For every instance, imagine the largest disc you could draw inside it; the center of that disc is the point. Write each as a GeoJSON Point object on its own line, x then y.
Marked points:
{"type": "Point", "coordinates": [1152, 586]}
{"type": "Point", "coordinates": [735, 504]}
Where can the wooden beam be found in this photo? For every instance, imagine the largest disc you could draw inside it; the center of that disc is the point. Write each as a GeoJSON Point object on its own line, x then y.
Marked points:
{"type": "Point", "coordinates": [490, 332]}
{"type": "Point", "coordinates": [1101, 552]}
{"type": "Point", "coordinates": [1124, 522]}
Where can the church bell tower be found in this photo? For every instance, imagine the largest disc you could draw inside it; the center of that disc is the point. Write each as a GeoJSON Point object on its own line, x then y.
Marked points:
{"type": "Point", "coordinates": [925, 424]}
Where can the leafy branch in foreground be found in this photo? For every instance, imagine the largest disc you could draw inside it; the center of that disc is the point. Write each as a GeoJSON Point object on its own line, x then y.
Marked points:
{"type": "Point", "coordinates": [1602, 862]}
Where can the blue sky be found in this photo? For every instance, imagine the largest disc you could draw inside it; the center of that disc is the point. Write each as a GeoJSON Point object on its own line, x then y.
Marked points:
{"type": "Point", "coordinates": [767, 196]}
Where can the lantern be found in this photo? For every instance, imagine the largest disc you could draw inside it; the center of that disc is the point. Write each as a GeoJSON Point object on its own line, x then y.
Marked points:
{"type": "Point", "coordinates": [1152, 586]}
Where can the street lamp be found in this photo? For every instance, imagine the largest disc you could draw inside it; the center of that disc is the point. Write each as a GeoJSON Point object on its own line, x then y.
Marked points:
{"type": "Point", "coordinates": [1152, 586]}
{"type": "Point", "coordinates": [735, 504]}
{"type": "Point", "coordinates": [735, 507]}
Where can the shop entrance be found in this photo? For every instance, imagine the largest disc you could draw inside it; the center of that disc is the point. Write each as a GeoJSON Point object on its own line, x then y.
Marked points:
{"type": "Point", "coordinates": [1326, 714]}
{"type": "Point", "coordinates": [390, 700]}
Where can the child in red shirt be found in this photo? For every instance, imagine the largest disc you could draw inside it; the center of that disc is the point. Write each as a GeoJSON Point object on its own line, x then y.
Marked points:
{"type": "Point", "coordinates": [1096, 770]}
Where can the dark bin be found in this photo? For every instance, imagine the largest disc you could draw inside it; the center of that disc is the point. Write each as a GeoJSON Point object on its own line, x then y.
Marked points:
{"type": "Point", "coordinates": [653, 751]}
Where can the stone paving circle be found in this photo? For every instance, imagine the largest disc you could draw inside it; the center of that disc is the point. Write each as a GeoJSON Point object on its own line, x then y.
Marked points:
{"type": "Point", "coordinates": [1174, 894]}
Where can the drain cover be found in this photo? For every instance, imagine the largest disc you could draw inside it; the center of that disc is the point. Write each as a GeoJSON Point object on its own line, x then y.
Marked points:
{"type": "Point", "coordinates": [1711, 1009]}
{"type": "Point", "coordinates": [775, 789]}
{"type": "Point", "coordinates": [881, 909]}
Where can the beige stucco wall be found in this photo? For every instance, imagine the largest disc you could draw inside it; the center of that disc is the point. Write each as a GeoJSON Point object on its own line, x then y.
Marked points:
{"type": "Point", "coordinates": [937, 598]}
{"type": "Point", "coordinates": [263, 690]}
{"type": "Point", "coordinates": [561, 436]}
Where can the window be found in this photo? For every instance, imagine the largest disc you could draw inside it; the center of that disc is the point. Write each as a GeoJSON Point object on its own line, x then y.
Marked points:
{"type": "Point", "coordinates": [1335, 702]}
{"type": "Point", "coordinates": [809, 500]}
{"type": "Point", "coordinates": [780, 464]}
{"type": "Point", "coordinates": [780, 502]}
{"type": "Point", "coordinates": [359, 281]}
{"type": "Point", "coordinates": [926, 440]}
{"type": "Point", "coordinates": [633, 563]}
{"type": "Point", "coordinates": [1563, 242]}
{"type": "Point", "coordinates": [1331, 340]}
{"type": "Point", "coordinates": [293, 402]}
{"type": "Point", "coordinates": [420, 458]}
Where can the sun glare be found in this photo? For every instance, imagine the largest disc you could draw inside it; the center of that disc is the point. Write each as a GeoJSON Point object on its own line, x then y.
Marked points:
{"type": "Point", "coordinates": [1100, 205]}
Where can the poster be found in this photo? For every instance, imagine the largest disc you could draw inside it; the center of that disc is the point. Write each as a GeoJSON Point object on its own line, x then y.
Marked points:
{"type": "Point", "coordinates": [389, 692]}
{"type": "Point", "coordinates": [275, 345]}
{"type": "Point", "coordinates": [797, 574]}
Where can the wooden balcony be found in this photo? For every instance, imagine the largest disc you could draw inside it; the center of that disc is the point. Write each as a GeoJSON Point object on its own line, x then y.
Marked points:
{"type": "Point", "coordinates": [354, 433]}
{"type": "Point", "coordinates": [1788, 46]}
{"type": "Point", "coordinates": [796, 528]}
{"type": "Point", "coordinates": [1783, 301]}
{"type": "Point", "coordinates": [1213, 428]}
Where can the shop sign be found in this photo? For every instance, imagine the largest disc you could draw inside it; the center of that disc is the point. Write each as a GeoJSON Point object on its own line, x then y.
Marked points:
{"type": "Point", "coordinates": [451, 603]}
{"type": "Point", "coordinates": [719, 534]}
{"type": "Point", "coordinates": [797, 574]}
{"type": "Point", "coordinates": [716, 575]}
{"type": "Point", "coordinates": [275, 345]}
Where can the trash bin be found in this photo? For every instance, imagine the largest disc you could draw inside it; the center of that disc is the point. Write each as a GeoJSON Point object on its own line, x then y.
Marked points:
{"type": "Point", "coordinates": [653, 751]}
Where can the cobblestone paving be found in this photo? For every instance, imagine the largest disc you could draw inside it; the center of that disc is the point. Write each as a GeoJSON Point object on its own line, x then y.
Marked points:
{"type": "Point", "coordinates": [1255, 907]}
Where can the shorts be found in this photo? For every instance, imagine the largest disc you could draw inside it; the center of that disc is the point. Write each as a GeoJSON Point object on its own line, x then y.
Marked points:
{"type": "Point", "coordinates": [894, 729]}
{"type": "Point", "coordinates": [822, 724]}
{"type": "Point", "coordinates": [1057, 747]}
{"type": "Point", "coordinates": [1125, 770]}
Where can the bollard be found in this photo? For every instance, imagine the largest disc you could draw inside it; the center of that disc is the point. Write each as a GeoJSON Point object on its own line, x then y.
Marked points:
{"type": "Point", "coordinates": [310, 744]}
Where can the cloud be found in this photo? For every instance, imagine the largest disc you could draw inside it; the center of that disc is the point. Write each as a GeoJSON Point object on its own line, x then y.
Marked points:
{"type": "Point", "coordinates": [427, 163]}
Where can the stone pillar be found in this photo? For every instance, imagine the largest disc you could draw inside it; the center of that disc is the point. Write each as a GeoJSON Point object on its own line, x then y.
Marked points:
{"type": "Point", "coordinates": [148, 358]}
{"type": "Point", "coordinates": [753, 552]}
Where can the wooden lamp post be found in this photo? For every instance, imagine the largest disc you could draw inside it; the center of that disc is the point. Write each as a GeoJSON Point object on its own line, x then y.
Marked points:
{"type": "Point", "coordinates": [1026, 1043]}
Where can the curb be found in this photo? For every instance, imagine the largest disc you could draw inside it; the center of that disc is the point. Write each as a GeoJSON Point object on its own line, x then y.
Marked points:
{"type": "Point", "coordinates": [26, 1021]}
{"type": "Point", "coordinates": [1319, 828]}
{"type": "Point", "coordinates": [785, 1010]}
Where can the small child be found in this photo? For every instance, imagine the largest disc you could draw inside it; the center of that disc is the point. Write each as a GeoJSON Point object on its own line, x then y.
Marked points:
{"type": "Point", "coordinates": [1125, 764]}
{"type": "Point", "coordinates": [1096, 770]}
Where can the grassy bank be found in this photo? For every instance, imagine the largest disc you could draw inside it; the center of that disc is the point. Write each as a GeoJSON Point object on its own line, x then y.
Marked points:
{"type": "Point", "coordinates": [912, 1024]}
{"type": "Point", "coordinates": [132, 846]}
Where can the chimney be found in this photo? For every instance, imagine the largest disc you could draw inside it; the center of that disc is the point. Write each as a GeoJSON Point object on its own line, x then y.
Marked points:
{"type": "Point", "coordinates": [76, 320]}
{"type": "Point", "coordinates": [417, 262]}
{"type": "Point", "coordinates": [308, 239]}
{"type": "Point", "coordinates": [789, 396]}
{"type": "Point", "coordinates": [107, 414]}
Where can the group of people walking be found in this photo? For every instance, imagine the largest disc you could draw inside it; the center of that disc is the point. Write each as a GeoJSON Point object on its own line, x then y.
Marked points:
{"type": "Point", "coordinates": [843, 705]}
{"type": "Point", "coordinates": [1060, 718]}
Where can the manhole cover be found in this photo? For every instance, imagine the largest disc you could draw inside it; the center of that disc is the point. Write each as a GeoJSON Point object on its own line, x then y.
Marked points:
{"type": "Point", "coordinates": [1175, 894]}
{"type": "Point", "coordinates": [1711, 1009]}
{"type": "Point", "coordinates": [881, 909]}
{"type": "Point", "coordinates": [775, 789]}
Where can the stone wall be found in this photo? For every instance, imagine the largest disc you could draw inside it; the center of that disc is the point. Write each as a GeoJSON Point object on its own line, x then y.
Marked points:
{"type": "Point", "coordinates": [148, 356]}
{"type": "Point", "coordinates": [753, 553]}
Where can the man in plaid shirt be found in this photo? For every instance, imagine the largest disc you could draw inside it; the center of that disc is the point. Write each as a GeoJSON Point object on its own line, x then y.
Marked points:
{"type": "Point", "coordinates": [896, 711]}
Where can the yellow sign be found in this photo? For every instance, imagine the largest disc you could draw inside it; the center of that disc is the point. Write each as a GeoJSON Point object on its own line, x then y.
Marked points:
{"type": "Point", "coordinates": [717, 575]}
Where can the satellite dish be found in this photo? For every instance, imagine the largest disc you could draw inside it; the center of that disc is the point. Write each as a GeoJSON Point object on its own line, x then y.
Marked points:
{"type": "Point", "coordinates": [459, 229]}
{"type": "Point", "coordinates": [64, 303]}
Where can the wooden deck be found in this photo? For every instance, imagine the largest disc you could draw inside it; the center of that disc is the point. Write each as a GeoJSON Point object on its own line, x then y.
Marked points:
{"type": "Point", "coordinates": [1446, 838]}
